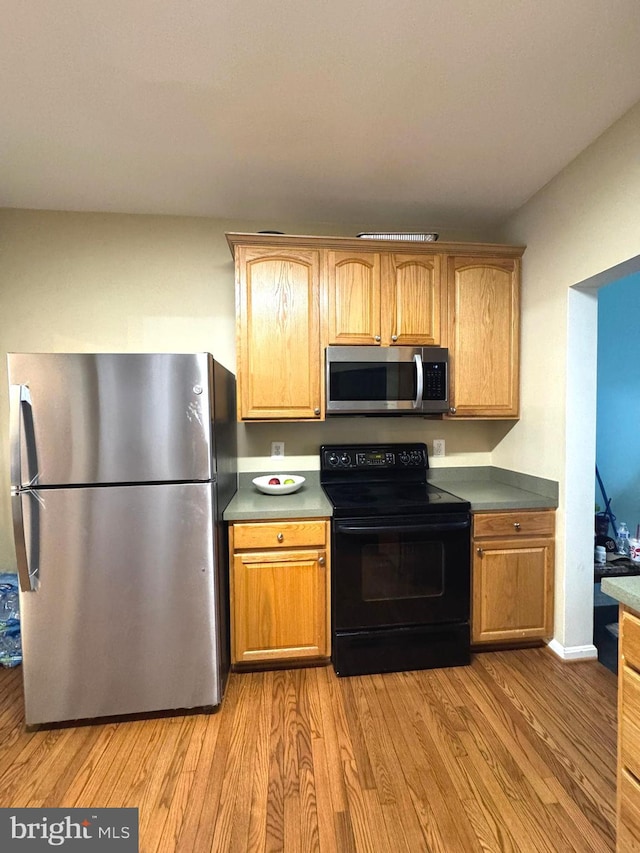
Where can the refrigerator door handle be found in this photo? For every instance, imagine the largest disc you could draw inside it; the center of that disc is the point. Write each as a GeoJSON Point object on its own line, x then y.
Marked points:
{"type": "Point", "coordinates": [19, 396]}
{"type": "Point", "coordinates": [28, 581]}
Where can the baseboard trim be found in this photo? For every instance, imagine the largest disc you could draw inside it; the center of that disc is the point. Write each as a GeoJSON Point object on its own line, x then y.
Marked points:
{"type": "Point", "coordinates": [570, 653]}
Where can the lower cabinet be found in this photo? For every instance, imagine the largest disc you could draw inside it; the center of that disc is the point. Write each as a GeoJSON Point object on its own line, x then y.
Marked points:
{"type": "Point", "coordinates": [512, 576]}
{"type": "Point", "coordinates": [628, 833]}
{"type": "Point", "coordinates": [280, 591]}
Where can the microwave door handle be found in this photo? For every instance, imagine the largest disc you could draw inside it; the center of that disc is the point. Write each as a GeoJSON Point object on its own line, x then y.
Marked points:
{"type": "Point", "coordinates": [19, 396]}
{"type": "Point", "coordinates": [417, 403]}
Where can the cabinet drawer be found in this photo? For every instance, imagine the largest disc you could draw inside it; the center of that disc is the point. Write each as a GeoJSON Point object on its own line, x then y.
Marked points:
{"type": "Point", "coordinates": [514, 523]}
{"type": "Point", "coordinates": [631, 639]}
{"type": "Point", "coordinates": [279, 534]}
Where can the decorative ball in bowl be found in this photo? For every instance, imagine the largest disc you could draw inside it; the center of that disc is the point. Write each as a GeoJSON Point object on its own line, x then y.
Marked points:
{"type": "Point", "coordinates": [278, 484]}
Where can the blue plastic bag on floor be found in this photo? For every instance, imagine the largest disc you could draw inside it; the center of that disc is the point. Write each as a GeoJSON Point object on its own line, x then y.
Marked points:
{"type": "Point", "coordinates": [10, 642]}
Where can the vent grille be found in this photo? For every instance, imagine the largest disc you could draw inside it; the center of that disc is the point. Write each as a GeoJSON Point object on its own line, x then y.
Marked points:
{"type": "Point", "coordinates": [428, 237]}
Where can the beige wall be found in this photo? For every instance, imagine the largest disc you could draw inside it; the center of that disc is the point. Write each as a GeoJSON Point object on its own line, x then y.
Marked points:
{"type": "Point", "coordinates": [582, 227]}
{"type": "Point", "coordinates": [107, 282]}
{"type": "Point", "coordinates": [584, 221]}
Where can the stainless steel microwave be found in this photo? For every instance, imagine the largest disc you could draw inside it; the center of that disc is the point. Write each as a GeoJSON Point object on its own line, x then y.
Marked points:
{"type": "Point", "coordinates": [386, 380]}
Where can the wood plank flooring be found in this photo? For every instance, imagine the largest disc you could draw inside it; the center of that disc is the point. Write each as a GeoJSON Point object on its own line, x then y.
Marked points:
{"type": "Point", "coordinates": [513, 753]}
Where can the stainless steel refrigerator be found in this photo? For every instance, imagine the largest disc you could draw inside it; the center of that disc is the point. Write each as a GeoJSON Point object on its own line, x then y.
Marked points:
{"type": "Point", "coordinates": [121, 467]}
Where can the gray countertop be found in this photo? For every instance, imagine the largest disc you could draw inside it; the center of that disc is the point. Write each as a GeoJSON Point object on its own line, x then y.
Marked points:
{"type": "Point", "coordinates": [308, 502]}
{"type": "Point", "coordinates": [625, 590]}
{"type": "Point", "coordinates": [485, 487]}
{"type": "Point", "coordinates": [489, 488]}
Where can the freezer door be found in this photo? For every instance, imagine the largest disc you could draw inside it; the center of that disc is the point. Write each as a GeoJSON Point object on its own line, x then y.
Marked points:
{"type": "Point", "coordinates": [125, 616]}
{"type": "Point", "coordinates": [112, 418]}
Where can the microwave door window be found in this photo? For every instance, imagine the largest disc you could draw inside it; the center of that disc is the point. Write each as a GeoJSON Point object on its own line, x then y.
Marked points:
{"type": "Point", "coordinates": [401, 381]}
{"type": "Point", "coordinates": [367, 381]}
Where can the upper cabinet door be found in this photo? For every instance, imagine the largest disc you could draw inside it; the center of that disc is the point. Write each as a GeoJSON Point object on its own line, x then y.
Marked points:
{"type": "Point", "coordinates": [278, 293]}
{"type": "Point", "coordinates": [353, 289]}
{"type": "Point", "coordinates": [484, 330]}
{"type": "Point", "coordinates": [413, 300]}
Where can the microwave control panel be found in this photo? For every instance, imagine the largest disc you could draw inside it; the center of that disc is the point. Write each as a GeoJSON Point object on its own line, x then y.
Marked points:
{"type": "Point", "coordinates": [435, 380]}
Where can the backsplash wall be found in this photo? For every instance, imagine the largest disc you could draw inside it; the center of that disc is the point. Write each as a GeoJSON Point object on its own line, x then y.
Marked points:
{"type": "Point", "coordinates": [467, 443]}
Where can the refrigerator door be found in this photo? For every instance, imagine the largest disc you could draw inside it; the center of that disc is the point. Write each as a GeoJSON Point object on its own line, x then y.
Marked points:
{"type": "Point", "coordinates": [112, 418]}
{"type": "Point", "coordinates": [125, 616]}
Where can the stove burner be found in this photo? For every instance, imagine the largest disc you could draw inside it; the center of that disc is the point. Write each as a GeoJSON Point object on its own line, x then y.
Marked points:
{"type": "Point", "coordinates": [394, 483]}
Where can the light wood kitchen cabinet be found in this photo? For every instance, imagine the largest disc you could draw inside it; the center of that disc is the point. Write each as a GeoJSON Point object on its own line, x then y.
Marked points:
{"type": "Point", "coordinates": [280, 592]}
{"type": "Point", "coordinates": [278, 340]}
{"type": "Point", "coordinates": [295, 295]}
{"type": "Point", "coordinates": [384, 298]}
{"type": "Point", "coordinates": [512, 576]}
{"type": "Point", "coordinates": [484, 336]}
{"type": "Point", "coordinates": [353, 289]}
{"type": "Point", "coordinates": [628, 821]}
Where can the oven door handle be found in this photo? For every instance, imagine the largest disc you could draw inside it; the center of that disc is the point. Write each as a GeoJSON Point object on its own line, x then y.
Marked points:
{"type": "Point", "coordinates": [360, 530]}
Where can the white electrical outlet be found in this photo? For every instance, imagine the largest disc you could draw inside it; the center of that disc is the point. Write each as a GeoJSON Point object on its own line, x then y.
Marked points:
{"type": "Point", "coordinates": [438, 447]}
{"type": "Point", "coordinates": [277, 449]}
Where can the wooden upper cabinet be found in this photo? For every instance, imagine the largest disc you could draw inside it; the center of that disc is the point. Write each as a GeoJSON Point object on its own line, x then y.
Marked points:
{"type": "Point", "coordinates": [295, 295]}
{"type": "Point", "coordinates": [484, 331]}
{"type": "Point", "coordinates": [412, 300]}
{"type": "Point", "coordinates": [384, 298]}
{"type": "Point", "coordinates": [278, 293]}
{"type": "Point", "coordinates": [353, 290]}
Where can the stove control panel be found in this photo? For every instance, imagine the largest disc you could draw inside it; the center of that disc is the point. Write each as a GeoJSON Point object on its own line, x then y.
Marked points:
{"type": "Point", "coordinates": [387, 457]}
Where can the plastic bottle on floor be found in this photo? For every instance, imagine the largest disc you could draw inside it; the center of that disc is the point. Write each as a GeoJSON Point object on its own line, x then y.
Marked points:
{"type": "Point", "coordinates": [10, 640]}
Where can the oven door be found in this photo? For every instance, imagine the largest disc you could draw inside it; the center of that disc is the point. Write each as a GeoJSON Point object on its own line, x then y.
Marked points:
{"type": "Point", "coordinates": [401, 571]}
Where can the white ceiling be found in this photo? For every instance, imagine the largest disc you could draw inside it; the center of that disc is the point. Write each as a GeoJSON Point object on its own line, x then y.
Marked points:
{"type": "Point", "coordinates": [388, 113]}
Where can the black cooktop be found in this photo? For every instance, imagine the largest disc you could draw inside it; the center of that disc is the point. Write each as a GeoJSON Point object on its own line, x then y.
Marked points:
{"type": "Point", "coordinates": [384, 479]}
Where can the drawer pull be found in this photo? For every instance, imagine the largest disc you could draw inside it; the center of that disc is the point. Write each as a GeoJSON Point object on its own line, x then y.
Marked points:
{"type": "Point", "coordinates": [280, 537]}
{"type": "Point", "coordinates": [516, 525]}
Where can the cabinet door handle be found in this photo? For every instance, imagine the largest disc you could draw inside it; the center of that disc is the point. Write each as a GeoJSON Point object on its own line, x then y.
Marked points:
{"type": "Point", "coordinates": [280, 537]}
{"type": "Point", "coordinates": [321, 561]}
{"type": "Point", "coordinates": [394, 338]}
{"type": "Point", "coordinates": [316, 411]}
{"type": "Point", "coordinates": [452, 410]}
{"type": "Point", "coordinates": [479, 551]}
{"type": "Point", "coordinates": [376, 338]}
{"type": "Point", "coordinates": [516, 525]}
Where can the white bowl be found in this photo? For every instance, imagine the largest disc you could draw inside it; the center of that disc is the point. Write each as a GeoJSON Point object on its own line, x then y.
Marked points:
{"type": "Point", "coordinates": [263, 485]}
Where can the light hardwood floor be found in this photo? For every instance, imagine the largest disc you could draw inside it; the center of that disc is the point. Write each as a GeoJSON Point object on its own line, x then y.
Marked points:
{"type": "Point", "coordinates": [513, 753]}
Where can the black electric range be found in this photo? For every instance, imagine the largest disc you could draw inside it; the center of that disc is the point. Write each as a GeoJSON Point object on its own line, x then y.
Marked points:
{"type": "Point", "coordinates": [400, 561]}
